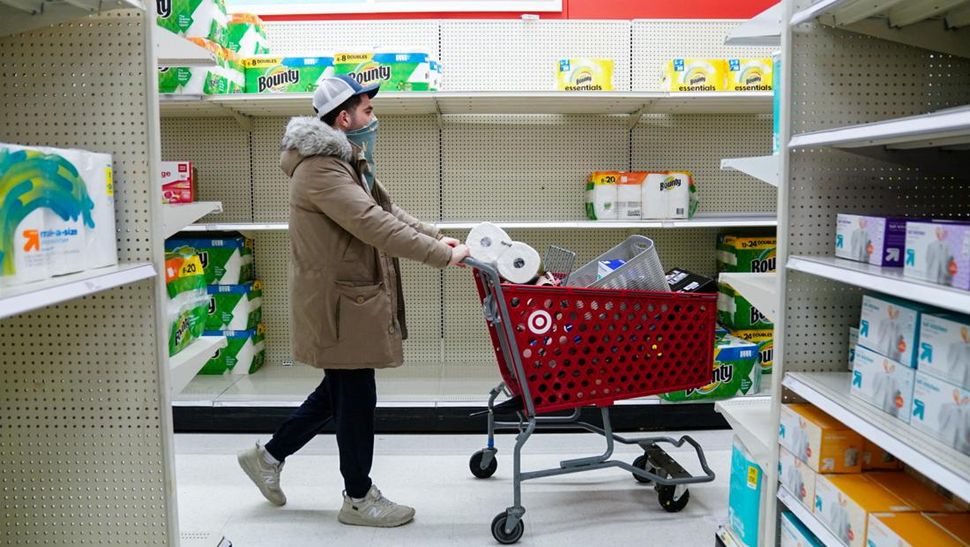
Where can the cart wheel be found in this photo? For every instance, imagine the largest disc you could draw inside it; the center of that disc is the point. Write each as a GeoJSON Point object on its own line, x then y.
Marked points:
{"type": "Point", "coordinates": [665, 495]}
{"type": "Point", "coordinates": [475, 465]}
{"type": "Point", "coordinates": [498, 530]}
{"type": "Point", "coordinates": [643, 463]}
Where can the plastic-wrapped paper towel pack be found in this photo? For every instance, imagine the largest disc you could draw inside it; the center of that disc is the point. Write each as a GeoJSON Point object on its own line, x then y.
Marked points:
{"type": "Point", "coordinates": [515, 261]}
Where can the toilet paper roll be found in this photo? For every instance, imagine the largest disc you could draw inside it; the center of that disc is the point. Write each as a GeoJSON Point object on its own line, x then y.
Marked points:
{"type": "Point", "coordinates": [519, 264]}
{"type": "Point", "coordinates": [487, 242]}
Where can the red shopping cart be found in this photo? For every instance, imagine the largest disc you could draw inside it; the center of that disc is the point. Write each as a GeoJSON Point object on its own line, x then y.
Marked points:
{"type": "Point", "coordinates": [564, 348]}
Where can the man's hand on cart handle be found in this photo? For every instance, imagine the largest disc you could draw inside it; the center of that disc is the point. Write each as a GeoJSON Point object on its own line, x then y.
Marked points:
{"type": "Point", "coordinates": [450, 241]}
{"type": "Point", "coordinates": [458, 253]}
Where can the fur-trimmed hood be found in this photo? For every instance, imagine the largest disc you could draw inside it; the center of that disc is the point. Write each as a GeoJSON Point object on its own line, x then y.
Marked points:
{"type": "Point", "coordinates": [308, 136]}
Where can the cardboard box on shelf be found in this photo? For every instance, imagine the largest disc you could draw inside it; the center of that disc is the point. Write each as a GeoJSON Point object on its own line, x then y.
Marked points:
{"type": "Point", "coordinates": [942, 410]}
{"type": "Point", "coordinates": [875, 458]}
{"type": "Point", "coordinates": [795, 534]}
{"type": "Point", "coordinates": [883, 383]}
{"type": "Point", "coordinates": [944, 348]}
{"type": "Point", "coordinates": [890, 327]}
{"type": "Point", "coordinates": [819, 440]}
{"type": "Point", "coordinates": [916, 529]}
{"type": "Point", "coordinates": [797, 478]}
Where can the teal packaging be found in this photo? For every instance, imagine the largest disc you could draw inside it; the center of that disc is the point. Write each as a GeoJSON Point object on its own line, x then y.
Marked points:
{"type": "Point", "coordinates": [796, 534]}
{"type": "Point", "coordinates": [744, 495]}
{"type": "Point", "coordinates": [234, 307]}
{"type": "Point", "coordinates": [890, 327]}
{"type": "Point", "coordinates": [944, 348]}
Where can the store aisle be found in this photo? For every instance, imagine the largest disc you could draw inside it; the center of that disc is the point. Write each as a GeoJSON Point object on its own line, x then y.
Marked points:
{"type": "Point", "coordinates": [431, 472]}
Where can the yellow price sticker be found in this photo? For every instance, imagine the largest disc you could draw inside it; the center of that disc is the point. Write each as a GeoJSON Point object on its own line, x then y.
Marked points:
{"type": "Point", "coordinates": [752, 476]}
{"type": "Point", "coordinates": [191, 267]}
{"type": "Point", "coordinates": [109, 183]}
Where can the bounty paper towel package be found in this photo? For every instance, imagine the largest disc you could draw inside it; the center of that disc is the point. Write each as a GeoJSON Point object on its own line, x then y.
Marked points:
{"type": "Point", "coordinates": [695, 75]}
{"type": "Point", "coordinates": [735, 372]}
{"type": "Point", "coordinates": [797, 478]}
{"type": "Point", "coordinates": [944, 348]}
{"type": "Point", "coordinates": [876, 240]}
{"type": "Point", "coordinates": [194, 18]}
{"type": "Point", "coordinates": [227, 76]}
{"type": "Point", "coordinates": [57, 213]}
{"type": "Point", "coordinates": [245, 352]}
{"type": "Point", "coordinates": [765, 338]}
{"type": "Point", "coordinates": [875, 458]}
{"type": "Point", "coordinates": [942, 410]}
{"type": "Point", "coordinates": [629, 195]}
{"type": "Point", "coordinates": [585, 74]}
{"type": "Point", "coordinates": [938, 252]}
{"type": "Point", "coordinates": [286, 74]}
{"type": "Point", "coordinates": [669, 195]}
{"type": "Point", "coordinates": [883, 383]}
{"type": "Point", "coordinates": [736, 313]}
{"type": "Point", "coordinates": [226, 256]}
{"type": "Point", "coordinates": [795, 534]}
{"type": "Point", "coordinates": [601, 195]}
{"type": "Point", "coordinates": [235, 307]}
{"type": "Point", "coordinates": [744, 495]}
{"type": "Point", "coordinates": [394, 70]}
{"type": "Point", "coordinates": [917, 529]}
{"type": "Point", "coordinates": [187, 301]}
{"type": "Point", "coordinates": [819, 440]}
{"type": "Point", "coordinates": [246, 35]}
{"type": "Point", "coordinates": [750, 74]}
{"type": "Point", "coordinates": [890, 327]}
{"type": "Point", "coordinates": [748, 253]}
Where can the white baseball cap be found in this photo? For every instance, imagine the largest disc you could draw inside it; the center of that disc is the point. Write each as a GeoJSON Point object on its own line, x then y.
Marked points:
{"type": "Point", "coordinates": [333, 91]}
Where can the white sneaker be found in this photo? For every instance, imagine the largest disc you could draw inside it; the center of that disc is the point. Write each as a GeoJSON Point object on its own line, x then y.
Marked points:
{"type": "Point", "coordinates": [374, 510]}
{"type": "Point", "coordinates": [265, 476]}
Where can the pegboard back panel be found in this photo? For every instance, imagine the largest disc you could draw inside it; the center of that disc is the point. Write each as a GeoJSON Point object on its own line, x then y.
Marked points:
{"type": "Point", "coordinates": [81, 436]}
{"type": "Point", "coordinates": [517, 55]}
{"type": "Point", "coordinates": [656, 41]}
{"type": "Point", "coordinates": [697, 143]}
{"type": "Point", "coordinates": [315, 38]}
{"type": "Point", "coordinates": [818, 314]}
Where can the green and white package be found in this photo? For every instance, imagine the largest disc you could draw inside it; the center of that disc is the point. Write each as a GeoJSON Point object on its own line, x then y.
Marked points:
{"type": "Point", "coordinates": [227, 76]}
{"type": "Point", "coordinates": [246, 35]}
{"type": "Point", "coordinates": [245, 352]}
{"type": "Point", "coordinates": [194, 18]}
{"type": "Point", "coordinates": [736, 313]}
{"type": "Point", "coordinates": [286, 74]}
{"type": "Point", "coordinates": [235, 307]}
{"type": "Point", "coordinates": [227, 257]}
{"type": "Point", "coordinates": [766, 346]}
{"type": "Point", "coordinates": [746, 253]}
{"type": "Point", "coordinates": [735, 372]}
{"type": "Point", "coordinates": [187, 304]}
{"type": "Point", "coordinates": [395, 71]}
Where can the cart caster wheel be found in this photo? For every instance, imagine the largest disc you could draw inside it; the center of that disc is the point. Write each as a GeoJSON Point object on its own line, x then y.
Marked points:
{"type": "Point", "coordinates": [498, 530]}
{"type": "Point", "coordinates": [475, 465]}
{"type": "Point", "coordinates": [665, 495]}
{"type": "Point", "coordinates": [643, 463]}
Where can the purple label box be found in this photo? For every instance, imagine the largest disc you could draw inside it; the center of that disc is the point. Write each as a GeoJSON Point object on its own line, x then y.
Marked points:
{"type": "Point", "coordinates": [876, 240]}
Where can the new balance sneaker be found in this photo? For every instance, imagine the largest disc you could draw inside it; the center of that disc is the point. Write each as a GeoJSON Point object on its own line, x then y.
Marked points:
{"type": "Point", "coordinates": [265, 475]}
{"type": "Point", "coordinates": [374, 510]}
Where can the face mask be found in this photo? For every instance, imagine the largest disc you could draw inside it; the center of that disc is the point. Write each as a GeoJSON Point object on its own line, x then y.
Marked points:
{"type": "Point", "coordinates": [366, 139]}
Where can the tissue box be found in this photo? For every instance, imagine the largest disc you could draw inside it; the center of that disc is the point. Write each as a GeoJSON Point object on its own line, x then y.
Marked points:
{"type": "Point", "coordinates": [796, 534]}
{"type": "Point", "coordinates": [194, 18]}
{"type": "Point", "coordinates": [395, 71]}
{"type": "Point", "coordinates": [585, 74]}
{"type": "Point", "coordinates": [876, 240]}
{"type": "Point", "coordinates": [736, 372]}
{"type": "Point", "coordinates": [942, 410]}
{"type": "Point", "coordinates": [695, 75]}
{"type": "Point", "coordinates": [668, 195]}
{"type": "Point", "coordinates": [227, 76]}
{"type": "Point", "coordinates": [875, 458]}
{"type": "Point", "coordinates": [744, 495]}
{"type": "Point", "coordinates": [736, 313]}
{"type": "Point", "coordinates": [819, 440]}
{"type": "Point", "coordinates": [286, 74]}
{"type": "Point", "coordinates": [246, 35]}
{"type": "Point", "coordinates": [890, 327]}
{"type": "Point", "coordinates": [226, 257]}
{"type": "Point", "coordinates": [883, 383]}
{"type": "Point", "coordinates": [915, 529]}
{"type": "Point", "coordinates": [749, 74]}
{"type": "Point", "coordinates": [178, 182]}
{"type": "Point", "coordinates": [685, 281]}
{"type": "Point", "coordinates": [58, 213]}
{"type": "Point", "coordinates": [797, 477]}
{"type": "Point", "coordinates": [235, 307]}
{"type": "Point", "coordinates": [601, 195]}
{"type": "Point", "coordinates": [746, 253]}
{"type": "Point", "coordinates": [944, 348]}
{"type": "Point", "coordinates": [853, 342]}
{"type": "Point", "coordinates": [629, 195]}
{"type": "Point", "coordinates": [938, 252]}
{"type": "Point", "coordinates": [844, 502]}
{"type": "Point", "coordinates": [765, 338]}
{"type": "Point", "coordinates": [245, 352]}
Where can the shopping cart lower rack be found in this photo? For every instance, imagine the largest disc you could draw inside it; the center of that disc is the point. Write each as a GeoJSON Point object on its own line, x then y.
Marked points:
{"type": "Point", "coordinates": [563, 348]}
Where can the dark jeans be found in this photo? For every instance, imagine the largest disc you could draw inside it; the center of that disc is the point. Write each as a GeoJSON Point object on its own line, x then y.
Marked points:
{"type": "Point", "coordinates": [350, 398]}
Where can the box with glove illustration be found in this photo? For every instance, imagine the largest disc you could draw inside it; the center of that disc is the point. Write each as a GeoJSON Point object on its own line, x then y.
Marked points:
{"type": "Point", "coordinates": [883, 383]}
{"type": "Point", "coordinates": [875, 240]}
{"type": "Point", "coordinates": [944, 347]}
{"type": "Point", "coordinates": [914, 529]}
{"type": "Point", "coordinates": [235, 307]}
{"type": "Point", "coordinates": [890, 327]}
{"type": "Point", "coordinates": [938, 252]}
{"type": "Point", "coordinates": [736, 372]}
{"type": "Point", "coordinates": [227, 257]}
{"type": "Point", "coordinates": [797, 477]}
{"type": "Point", "coordinates": [819, 440]}
{"type": "Point", "coordinates": [942, 410]}
{"type": "Point", "coordinates": [245, 352]}
{"type": "Point", "coordinates": [795, 534]}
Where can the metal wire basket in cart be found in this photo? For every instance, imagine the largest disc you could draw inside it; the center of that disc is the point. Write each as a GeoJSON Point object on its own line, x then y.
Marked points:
{"type": "Point", "coordinates": [563, 348]}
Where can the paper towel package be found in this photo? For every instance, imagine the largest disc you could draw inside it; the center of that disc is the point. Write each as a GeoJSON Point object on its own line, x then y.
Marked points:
{"type": "Point", "coordinates": [601, 195]}
{"type": "Point", "coordinates": [735, 372]}
{"type": "Point", "coordinates": [194, 18]}
{"type": "Point", "coordinates": [750, 74]}
{"type": "Point", "coordinates": [819, 440]}
{"type": "Point", "coordinates": [843, 502]}
{"type": "Point", "coordinates": [668, 195]}
{"type": "Point", "coordinates": [876, 240]}
{"type": "Point", "coordinates": [938, 252]}
{"type": "Point", "coordinates": [795, 534]}
{"type": "Point", "coordinates": [227, 76]}
{"type": "Point", "coordinates": [736, 313]}
{"type": "Point", "coordinates": [235, 307]}
{"type": "Point", "coordinates": [746, 252]}
{"type": "Point", "coordinates": [875, 458]}
{"type": "Point", "coordinates": [883, 383]}
{"type": "Point", "coordinates": [629, 195]}
{"type": "Point", "coordinates": [393, 70]}
{"type": "Point", "coordinates": [585, 74]}
{"type": "Point", "coordinates": [245, 352]}
{"type": "Point", "coordinates": [797, 478]}
{"type": "Point", "coordinates": [890, 326]}
{"type": "Point", "coordinates": [268, 74]}
{"type": "Point", "coordinates": [918, 529]}
{"type": "Point", "coordinates": [58, 214]}
{"type": "Point", "coordinates": [227, 257]}
{"type": "Point", "coordinates": [246, 35]}
{"type": "Point", "coordinates": [695, 75]}
{"type": "Point", "coordinates": [744, 495]}
{"type": "Point", "coordinates": [942, 410]}
{"type": "Point", "coordinates": [765, 338]}
{"type": "Point", "coordinates": [944, 347]}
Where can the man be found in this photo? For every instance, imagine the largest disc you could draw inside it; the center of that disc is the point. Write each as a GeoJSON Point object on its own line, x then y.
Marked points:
{"type": "Point", "coordinates": [347, 313]}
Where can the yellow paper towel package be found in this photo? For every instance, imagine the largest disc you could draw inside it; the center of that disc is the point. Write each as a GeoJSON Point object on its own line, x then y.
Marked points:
{"type": "Point", "coordinates": [601, 195]}
{"type": "Point", "coordinates": [916, 529]}
{"type": "Point", "coordinates": [695, 75]}
{"type": "Point", "coordinates": [819, 440]}
{"type": "Point", "coordinates": [585, 74]}
{"type": "Point", "coordinates": [749, 74]}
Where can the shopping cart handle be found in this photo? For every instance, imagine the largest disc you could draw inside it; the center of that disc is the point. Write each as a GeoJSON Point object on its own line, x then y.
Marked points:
{"type": "Point", "coordinates": [476, 264]}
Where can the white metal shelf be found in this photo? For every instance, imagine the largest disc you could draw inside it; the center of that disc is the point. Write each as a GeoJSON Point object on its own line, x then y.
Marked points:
{"type": "Point", "coordinates": [33, 296]}
{"type": "Point", "coordinates": [176, 217]}
{"type": "Point", "coordinates": [763, 168]}
{"type": "Point", "coordinates": [751, 420]}
{"type": "Point", "coordinates": [808, 518]}
{"type": "Point", "coordinates": [18, 16]}
{"type": "Point", "coordinates": [174, 50]}
{"type": "Point", "coordinates": [829, 391]}
{"type": "Point", "coordinates": [943, 129]}
{"type": "Point", "coordinates": [886, 280]}
{"type": "Point", "coordinates": [763, 29]}
{"type": "Point", "coordinates": [761, 289]}
{"type": "Point", "coordinates": [188, 362]}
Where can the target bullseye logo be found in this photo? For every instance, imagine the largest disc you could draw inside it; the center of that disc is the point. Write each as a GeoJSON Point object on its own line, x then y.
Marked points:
{"type": "Point", "coordinates": [540, 322]}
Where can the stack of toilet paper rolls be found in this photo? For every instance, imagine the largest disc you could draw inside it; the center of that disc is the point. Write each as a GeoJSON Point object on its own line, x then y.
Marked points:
{"type": "Point", "coordinates": [640, 195]}
{"type": "Point", "coordinates": [515, 261]}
